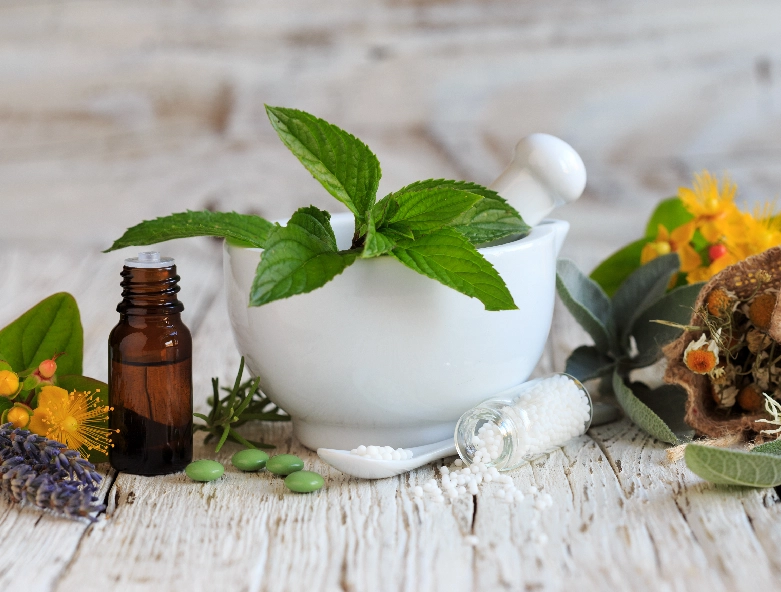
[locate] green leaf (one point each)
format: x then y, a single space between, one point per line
734 467
614 270
448 257
298 258
676 306
773 447
73 382
448 184
587 362
248 229
668 402
670 213
641 289
338 160
376 243
490 219
427 210
640 413
587 302
50 327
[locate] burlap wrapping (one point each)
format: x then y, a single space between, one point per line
702 413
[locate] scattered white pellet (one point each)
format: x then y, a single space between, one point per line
472 540
382 452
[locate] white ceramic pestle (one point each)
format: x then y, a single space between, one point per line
544 174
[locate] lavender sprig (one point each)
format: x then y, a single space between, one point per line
47 474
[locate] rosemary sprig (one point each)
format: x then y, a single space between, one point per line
244 402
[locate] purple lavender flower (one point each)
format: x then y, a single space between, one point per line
47 474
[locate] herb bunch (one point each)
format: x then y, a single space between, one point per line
430 226
244 402
47 474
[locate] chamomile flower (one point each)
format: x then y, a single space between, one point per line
701 356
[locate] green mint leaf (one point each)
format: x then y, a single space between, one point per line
99 390
587 302
490 220
249 229
448 257
338 160
50 327
377 243
384 209
734 467
430 209
298 258
640 413
448 184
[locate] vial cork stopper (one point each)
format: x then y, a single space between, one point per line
149 259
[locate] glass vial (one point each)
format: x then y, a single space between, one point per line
150 372
526 421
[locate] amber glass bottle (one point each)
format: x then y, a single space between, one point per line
150 372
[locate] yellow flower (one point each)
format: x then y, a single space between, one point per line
701 356
9 383
713 207
677 241
76 419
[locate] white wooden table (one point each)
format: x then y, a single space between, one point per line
622 519
114 111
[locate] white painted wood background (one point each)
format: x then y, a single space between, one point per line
112 112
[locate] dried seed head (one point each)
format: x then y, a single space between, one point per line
757 341
750 398
760 310
718 303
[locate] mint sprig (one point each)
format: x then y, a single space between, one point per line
430 226
250 229
298 258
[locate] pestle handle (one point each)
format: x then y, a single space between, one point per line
545 173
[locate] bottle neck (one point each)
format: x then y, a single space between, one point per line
149 291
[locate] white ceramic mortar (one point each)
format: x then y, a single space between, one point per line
383 355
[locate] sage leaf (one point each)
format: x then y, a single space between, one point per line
448 257
298 258
490 219
50 327
734 467
430 209
99 390
773 447
642 288
669 403
614 270
587 302
676 306
587 362
338 160
642 416
246 228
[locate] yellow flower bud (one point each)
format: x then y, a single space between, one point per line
19 416
9 383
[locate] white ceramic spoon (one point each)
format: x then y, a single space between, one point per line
368 468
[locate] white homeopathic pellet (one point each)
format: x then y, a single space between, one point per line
382 452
